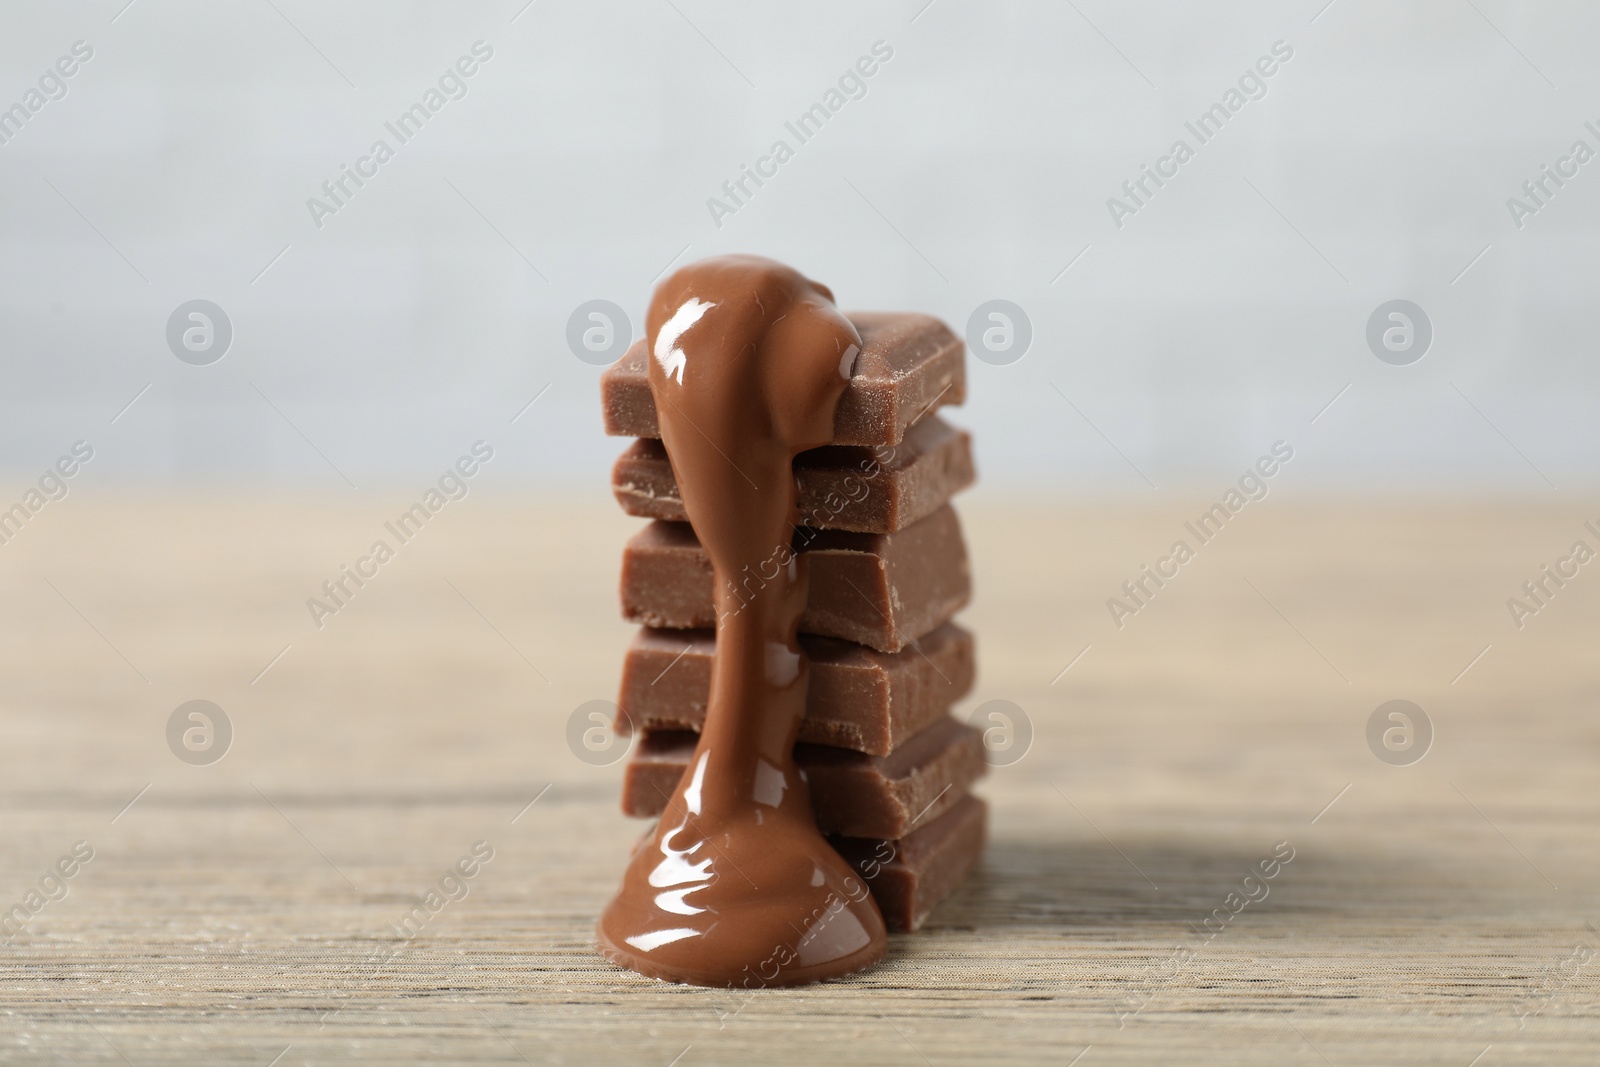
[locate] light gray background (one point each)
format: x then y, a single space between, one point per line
1225 315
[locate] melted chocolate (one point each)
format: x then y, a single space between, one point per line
735 885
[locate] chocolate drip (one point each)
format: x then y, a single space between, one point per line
735 885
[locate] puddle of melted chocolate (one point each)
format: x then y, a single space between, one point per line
735 885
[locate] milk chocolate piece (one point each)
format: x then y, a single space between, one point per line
841 487
851 793
859 698
908 365
922 868
881 590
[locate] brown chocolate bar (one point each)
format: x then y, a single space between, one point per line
851 793
881 590
841 487
909 364
858 698
909 877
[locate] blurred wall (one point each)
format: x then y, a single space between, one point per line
1220 312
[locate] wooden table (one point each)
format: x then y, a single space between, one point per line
245 910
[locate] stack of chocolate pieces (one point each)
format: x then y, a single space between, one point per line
888 766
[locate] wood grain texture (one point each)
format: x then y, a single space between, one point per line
245 910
